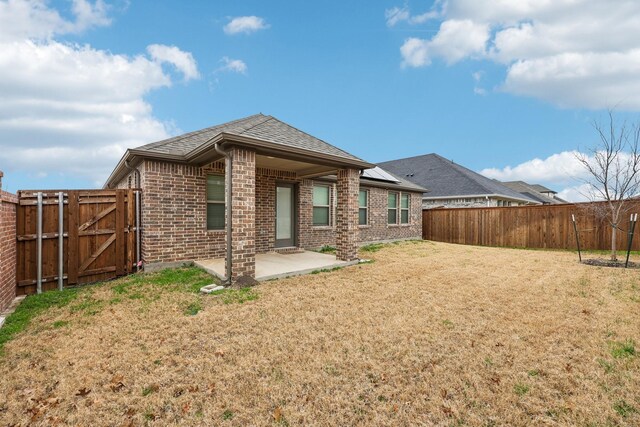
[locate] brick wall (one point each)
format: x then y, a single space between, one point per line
347 187
378 229
243 221
8 204
174 213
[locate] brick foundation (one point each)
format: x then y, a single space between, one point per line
8 204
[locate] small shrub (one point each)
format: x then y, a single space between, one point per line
227 415
621 350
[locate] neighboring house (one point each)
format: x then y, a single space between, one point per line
453 185
289 190
535 191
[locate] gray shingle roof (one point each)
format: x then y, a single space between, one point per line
533 191
445 178
259 126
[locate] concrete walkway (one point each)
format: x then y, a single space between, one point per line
273 265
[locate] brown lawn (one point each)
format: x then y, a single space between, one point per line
428 334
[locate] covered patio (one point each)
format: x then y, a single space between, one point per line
274 265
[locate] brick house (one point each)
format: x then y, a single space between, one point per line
282 188
454 186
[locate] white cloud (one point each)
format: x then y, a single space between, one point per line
73 109
20 19
233 65
245 24
562 172
456 40
561 167
572 53
395 15
183 61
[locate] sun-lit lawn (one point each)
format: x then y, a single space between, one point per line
428 333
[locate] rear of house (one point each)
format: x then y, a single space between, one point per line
288 191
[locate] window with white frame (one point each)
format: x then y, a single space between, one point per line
215 202
398 207
363 207
392 207
404 208
321 204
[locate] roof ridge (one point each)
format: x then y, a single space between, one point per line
309 135
177 138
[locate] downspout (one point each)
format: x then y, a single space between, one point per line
228 201
134 170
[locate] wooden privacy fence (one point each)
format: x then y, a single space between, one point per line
543 226
70 237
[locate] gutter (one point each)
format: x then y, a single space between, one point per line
229 210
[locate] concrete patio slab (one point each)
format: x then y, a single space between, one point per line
274 265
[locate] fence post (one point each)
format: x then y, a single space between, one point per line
39 243
138 230
632 227
575 229
60 241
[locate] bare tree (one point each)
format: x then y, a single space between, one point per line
613 167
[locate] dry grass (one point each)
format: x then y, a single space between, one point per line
428 334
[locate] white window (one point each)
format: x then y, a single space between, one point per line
215 202
321 198
363 207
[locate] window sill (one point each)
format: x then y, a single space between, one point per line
364 226
398 225
216 231
322 227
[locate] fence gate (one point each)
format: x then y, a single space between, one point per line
70 237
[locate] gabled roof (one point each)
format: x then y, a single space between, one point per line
541 188
258 126
446 179
532 191
265 134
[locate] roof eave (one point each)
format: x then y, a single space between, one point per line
202 155
464 196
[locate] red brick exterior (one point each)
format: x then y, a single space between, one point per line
174 211
348 186
243 213
8 204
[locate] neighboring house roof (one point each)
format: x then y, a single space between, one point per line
534 191
446 179
541 188
265 134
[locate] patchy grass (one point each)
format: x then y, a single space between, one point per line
621 350
429 334
30 308
326 249
372 247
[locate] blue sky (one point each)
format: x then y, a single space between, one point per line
492 87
